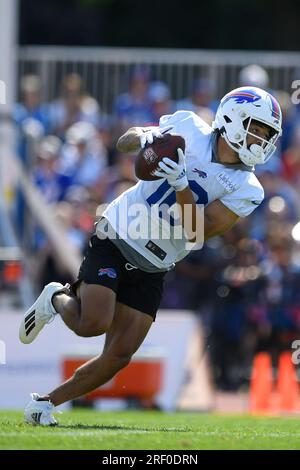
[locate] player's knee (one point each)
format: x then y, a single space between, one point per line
97 309
93 328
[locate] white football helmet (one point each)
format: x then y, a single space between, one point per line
237 110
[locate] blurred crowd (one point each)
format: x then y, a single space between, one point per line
244 286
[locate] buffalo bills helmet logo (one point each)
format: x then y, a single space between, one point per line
245 96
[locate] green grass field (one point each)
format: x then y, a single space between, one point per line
132 430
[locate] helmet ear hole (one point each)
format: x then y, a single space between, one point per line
227 119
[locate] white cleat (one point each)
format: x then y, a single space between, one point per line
40 313
39 412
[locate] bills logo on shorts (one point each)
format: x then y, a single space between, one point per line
110 272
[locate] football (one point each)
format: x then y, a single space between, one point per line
148 158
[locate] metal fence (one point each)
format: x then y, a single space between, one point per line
106 70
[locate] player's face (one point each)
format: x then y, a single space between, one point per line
259 130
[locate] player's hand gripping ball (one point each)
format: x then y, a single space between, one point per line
151 154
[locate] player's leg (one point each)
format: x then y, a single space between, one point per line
92 321
138 298
89 314
126 334
68 306
128 330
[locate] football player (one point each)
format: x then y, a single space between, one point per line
120 282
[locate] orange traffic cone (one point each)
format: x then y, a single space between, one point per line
261 384
287 384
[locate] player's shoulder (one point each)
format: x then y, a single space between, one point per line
256 187
252 179
244 193
247 183
185 119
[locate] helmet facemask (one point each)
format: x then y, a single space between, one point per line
256 153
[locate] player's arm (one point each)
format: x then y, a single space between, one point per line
216 221
136 138
130 141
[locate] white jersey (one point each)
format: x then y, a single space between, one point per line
237 189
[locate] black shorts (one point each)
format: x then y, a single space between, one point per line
105 265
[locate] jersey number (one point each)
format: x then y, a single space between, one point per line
201 194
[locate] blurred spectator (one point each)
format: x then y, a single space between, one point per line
239 284
50 268
30 108
74 105
121 176
84 210
254 75
200 100
281 203
160 97
134 107
48 178
67 217
191 285
46 174
31 116
105 134
276 317
83 156
32 120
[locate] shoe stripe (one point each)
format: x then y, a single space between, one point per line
36 417
30 315
30 329
29 323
